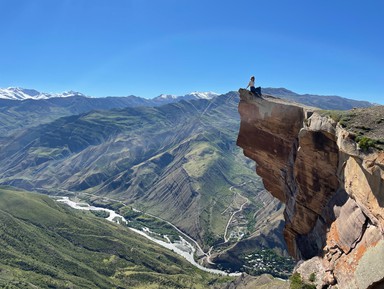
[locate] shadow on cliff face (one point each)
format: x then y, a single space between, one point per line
377 285
311 244
320 140
338 200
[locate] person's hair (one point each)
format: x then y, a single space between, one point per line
252 77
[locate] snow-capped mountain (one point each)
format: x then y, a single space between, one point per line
193 95
16 93
201 95
166 97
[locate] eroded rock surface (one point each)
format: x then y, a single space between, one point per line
334 192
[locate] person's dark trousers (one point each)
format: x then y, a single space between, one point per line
256 91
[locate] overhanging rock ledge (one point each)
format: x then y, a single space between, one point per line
333 192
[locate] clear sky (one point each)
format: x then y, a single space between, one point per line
150 47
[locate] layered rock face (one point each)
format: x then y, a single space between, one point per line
334 193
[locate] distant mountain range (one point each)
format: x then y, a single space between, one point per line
321 101
17 93
24 108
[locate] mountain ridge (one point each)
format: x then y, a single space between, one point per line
321 101
17 93
16 115
20 94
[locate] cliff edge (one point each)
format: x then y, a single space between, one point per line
333 190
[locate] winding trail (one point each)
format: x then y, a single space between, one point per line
208 254
182 248
234 213
200 250
230 219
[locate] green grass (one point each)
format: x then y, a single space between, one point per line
48 245
340 116
139 220
200 159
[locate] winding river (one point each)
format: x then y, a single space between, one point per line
182 247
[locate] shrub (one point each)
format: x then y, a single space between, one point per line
312 277
297 282
365 143
101 214
337 115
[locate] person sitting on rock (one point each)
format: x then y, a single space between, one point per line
251 85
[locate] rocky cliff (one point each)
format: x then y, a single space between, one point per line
333 191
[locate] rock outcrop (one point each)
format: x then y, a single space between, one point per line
334 193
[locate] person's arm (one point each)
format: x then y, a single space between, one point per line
247 85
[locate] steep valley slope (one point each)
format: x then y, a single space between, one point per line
45 244
178 162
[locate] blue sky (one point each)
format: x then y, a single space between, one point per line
150 47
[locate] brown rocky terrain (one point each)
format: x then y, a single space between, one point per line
362 122
259 282
329 172
370 120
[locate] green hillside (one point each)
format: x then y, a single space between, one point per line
48 245
18 115
176 161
